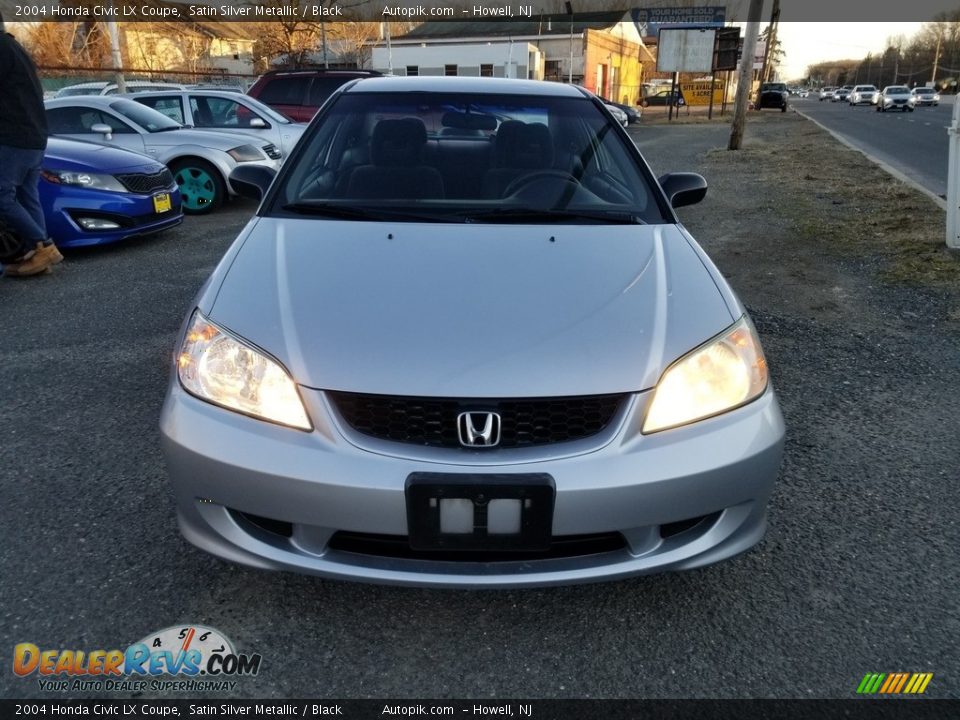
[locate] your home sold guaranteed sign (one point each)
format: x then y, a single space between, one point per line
189 658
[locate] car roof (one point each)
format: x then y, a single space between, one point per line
192 91
92 100
491 86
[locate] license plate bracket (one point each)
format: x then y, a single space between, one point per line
533 494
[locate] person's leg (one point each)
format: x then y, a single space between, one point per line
28 194
15 165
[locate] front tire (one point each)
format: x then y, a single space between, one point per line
202 189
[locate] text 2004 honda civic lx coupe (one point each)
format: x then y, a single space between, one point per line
466 342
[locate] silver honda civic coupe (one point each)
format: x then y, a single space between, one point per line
466 342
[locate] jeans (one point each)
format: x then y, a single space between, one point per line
19 196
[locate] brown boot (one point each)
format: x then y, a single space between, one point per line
33 263
50 251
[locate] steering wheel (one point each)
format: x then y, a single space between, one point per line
536 176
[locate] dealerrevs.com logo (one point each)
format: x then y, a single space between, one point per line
186 658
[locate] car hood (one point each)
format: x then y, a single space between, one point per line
63 154
470 310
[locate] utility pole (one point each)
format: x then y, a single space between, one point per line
323 35
115 56
771 44
936 59
569 9
746 74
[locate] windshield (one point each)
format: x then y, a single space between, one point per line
775 86
896 90
923 91
463 158
147 118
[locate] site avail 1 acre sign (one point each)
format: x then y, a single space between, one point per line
686 50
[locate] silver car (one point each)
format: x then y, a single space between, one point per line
220 110
925 96
862 94
201 161
465 341
896 97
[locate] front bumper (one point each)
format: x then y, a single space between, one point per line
64 206
275 498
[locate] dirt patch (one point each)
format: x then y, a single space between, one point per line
803 225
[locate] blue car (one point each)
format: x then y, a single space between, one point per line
92 194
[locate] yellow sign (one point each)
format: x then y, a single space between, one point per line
698 93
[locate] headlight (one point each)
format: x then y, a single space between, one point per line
94 181
223 370
246 153
725 373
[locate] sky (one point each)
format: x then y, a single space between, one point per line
806 43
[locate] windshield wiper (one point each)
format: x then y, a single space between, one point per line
349 212
532 215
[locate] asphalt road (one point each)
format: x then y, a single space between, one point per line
858 572
915 143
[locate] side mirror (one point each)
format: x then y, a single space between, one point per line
252 181
103 129
258 123
683 188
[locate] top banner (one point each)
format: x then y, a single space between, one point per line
648 20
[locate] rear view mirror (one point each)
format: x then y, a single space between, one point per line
683 188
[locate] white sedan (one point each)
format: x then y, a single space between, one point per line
200 161
896 97
224 110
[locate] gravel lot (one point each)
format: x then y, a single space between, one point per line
858 571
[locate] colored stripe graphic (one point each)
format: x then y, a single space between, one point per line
894 683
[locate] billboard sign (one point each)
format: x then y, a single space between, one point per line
649 21
685 50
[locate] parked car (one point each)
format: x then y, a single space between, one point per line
896 97
487 361
862 94
925 96
109 88
201 161
619 115
827 93
222 110
93 195
298 94
663 97
632 112
773 95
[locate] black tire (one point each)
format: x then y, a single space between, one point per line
783 108
644 103
910 109
211 188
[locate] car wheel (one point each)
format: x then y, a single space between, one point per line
910 109
202 189
644 103
783 108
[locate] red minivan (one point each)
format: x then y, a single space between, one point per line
298 94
